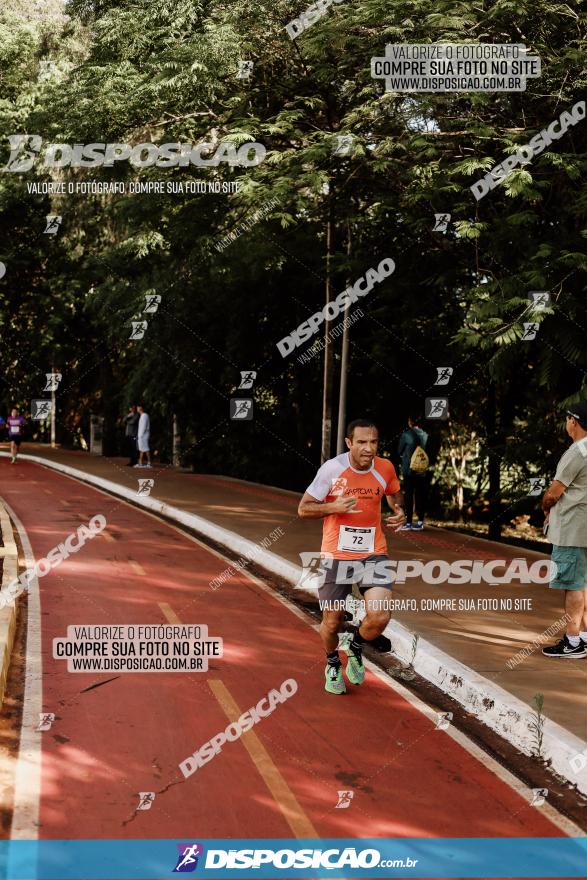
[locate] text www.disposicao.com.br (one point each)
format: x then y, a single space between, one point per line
135 664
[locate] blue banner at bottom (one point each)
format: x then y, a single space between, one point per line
272 859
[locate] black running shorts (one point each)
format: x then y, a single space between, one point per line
337 576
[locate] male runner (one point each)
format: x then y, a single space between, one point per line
16 425
347 493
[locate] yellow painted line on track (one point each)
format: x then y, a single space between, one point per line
283 796
286 800
169 613
136 567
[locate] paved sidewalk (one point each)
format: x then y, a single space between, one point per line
483 640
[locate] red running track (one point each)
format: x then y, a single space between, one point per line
130 734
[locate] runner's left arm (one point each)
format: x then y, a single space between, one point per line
395 499
396 503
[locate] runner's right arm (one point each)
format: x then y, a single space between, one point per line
310 508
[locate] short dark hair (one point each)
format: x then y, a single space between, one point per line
416 418
359 423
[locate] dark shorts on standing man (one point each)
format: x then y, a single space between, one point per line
337 576
571 568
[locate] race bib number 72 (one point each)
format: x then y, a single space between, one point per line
356 540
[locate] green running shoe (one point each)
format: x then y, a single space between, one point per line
355 670
334 680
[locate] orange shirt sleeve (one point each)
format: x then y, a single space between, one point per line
393 485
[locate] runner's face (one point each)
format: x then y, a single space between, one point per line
363 447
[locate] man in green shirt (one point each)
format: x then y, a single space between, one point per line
565 506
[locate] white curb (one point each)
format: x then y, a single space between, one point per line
8 613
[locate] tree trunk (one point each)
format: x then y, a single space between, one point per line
494 465
344 361
460 501
110 408
328 349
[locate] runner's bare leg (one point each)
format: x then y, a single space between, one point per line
332 624
377 613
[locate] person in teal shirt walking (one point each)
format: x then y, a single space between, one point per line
415 485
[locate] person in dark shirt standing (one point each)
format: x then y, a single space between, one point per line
415 485
131 429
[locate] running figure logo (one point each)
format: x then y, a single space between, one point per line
247 379
443 720
22 159
53 380
187 861
342 144
241 409
53 223
530 331
145 487
539 795
47 69
40 409
536 486
539 300
152 302
138 329
441 222
245 69
338 486
444 375
146 799
344 800
314 565
436 407
46 719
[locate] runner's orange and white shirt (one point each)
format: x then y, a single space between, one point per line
354 535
